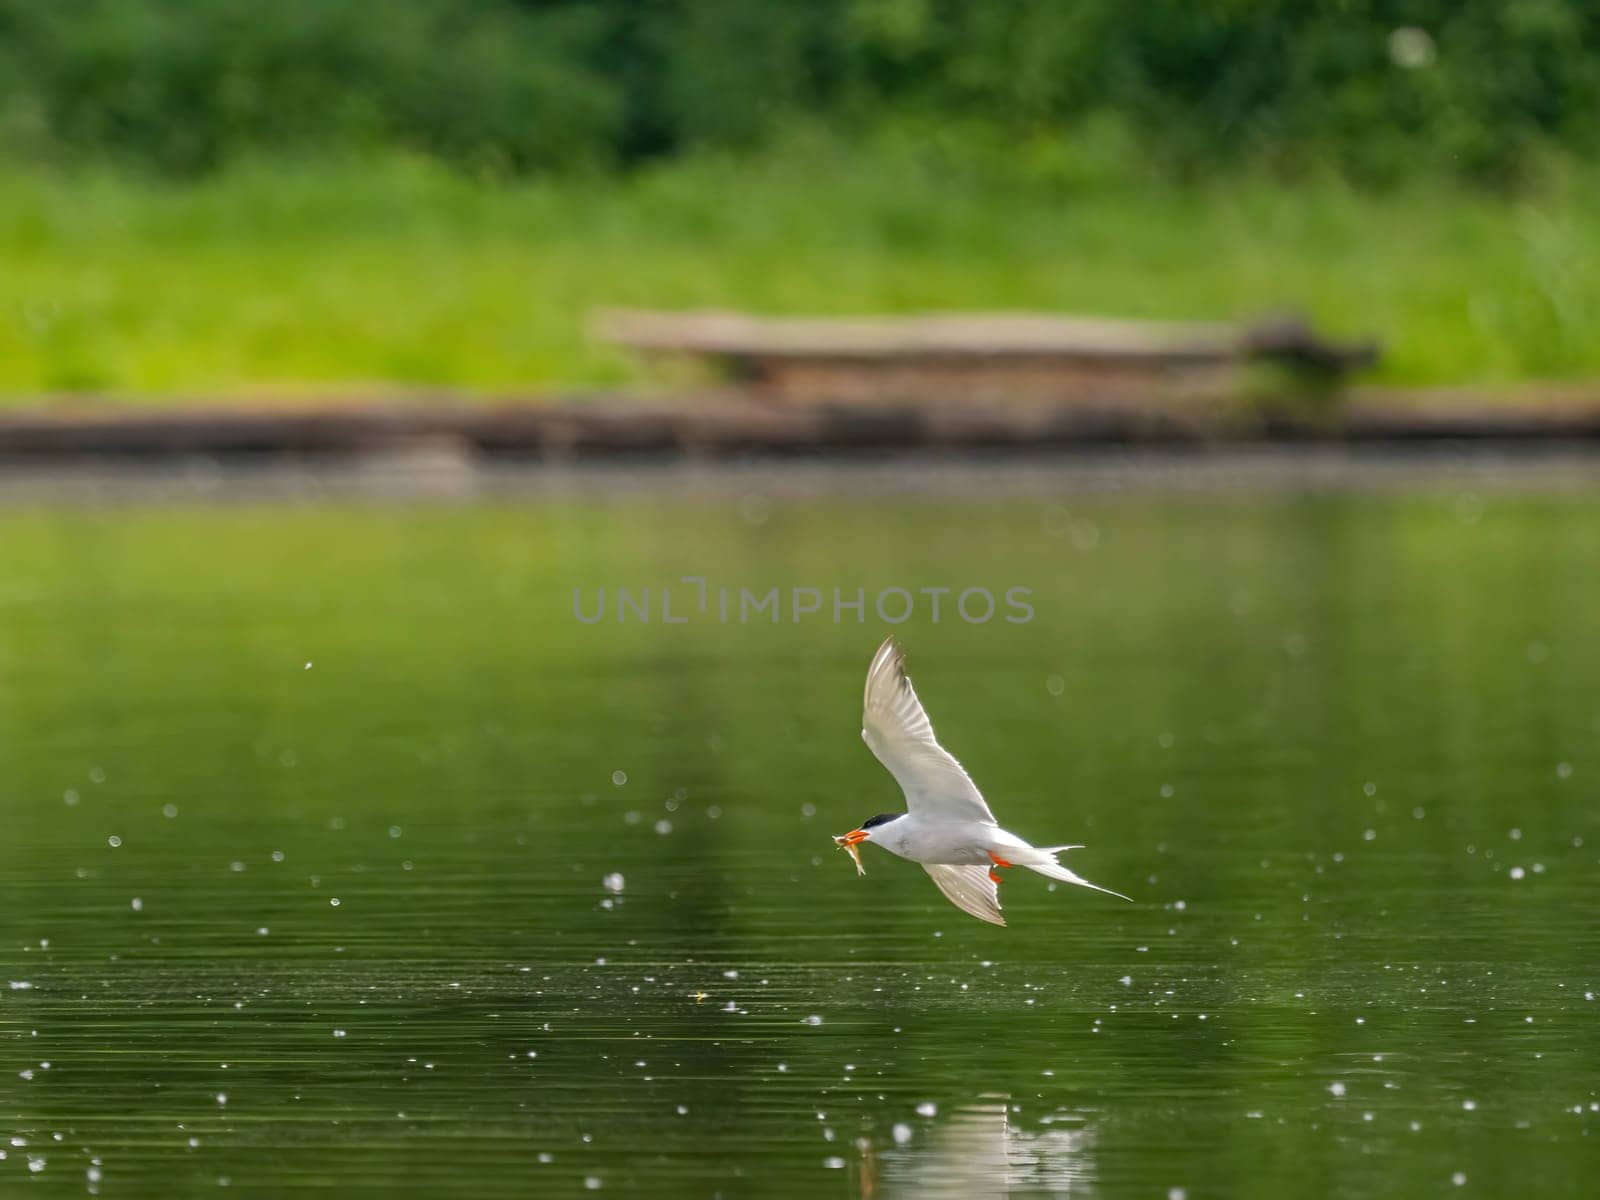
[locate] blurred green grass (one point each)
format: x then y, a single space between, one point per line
291 278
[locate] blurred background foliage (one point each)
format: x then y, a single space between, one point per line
232 195
1375 88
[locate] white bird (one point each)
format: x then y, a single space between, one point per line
946 827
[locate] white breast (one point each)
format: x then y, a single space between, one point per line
960 842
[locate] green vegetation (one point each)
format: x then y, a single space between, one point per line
334 194
1378 88
389 270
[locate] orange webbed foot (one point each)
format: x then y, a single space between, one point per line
998 861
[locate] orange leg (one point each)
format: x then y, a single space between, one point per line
999 862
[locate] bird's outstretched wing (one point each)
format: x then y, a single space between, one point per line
969 888
898 731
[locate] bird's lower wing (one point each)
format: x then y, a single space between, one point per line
969 888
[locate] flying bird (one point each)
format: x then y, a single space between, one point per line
947 826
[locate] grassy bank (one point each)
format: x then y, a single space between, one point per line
294 278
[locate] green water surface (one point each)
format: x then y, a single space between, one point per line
338 857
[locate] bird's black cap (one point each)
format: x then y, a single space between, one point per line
880 819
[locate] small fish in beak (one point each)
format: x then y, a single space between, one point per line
848 841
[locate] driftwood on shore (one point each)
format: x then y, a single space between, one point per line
1009 359
797 386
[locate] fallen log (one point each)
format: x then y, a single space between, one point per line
978 359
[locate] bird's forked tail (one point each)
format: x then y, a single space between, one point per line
1051 869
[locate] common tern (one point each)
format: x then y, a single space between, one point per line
947 826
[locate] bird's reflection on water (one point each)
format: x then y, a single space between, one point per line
976 1151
